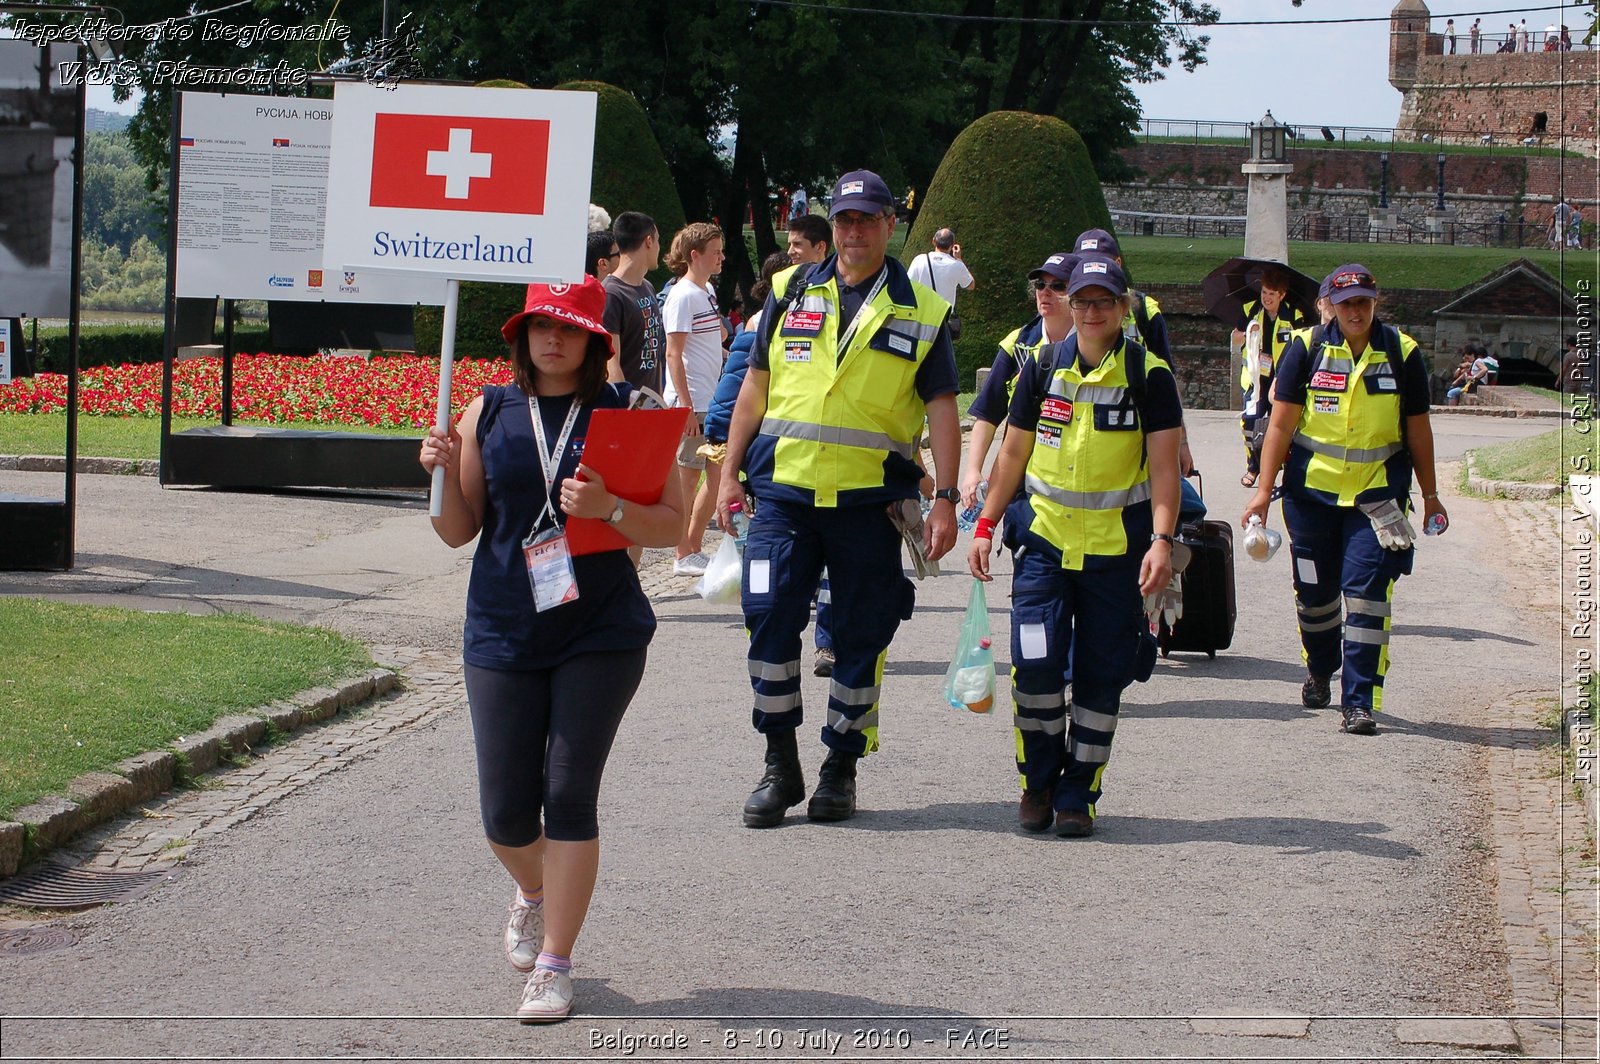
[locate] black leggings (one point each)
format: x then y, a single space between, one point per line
543 738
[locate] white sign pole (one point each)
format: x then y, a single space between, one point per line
447 359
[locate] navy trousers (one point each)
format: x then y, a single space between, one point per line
788 547
1344 591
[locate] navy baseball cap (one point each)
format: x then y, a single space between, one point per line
1098 271
1058 266
1350 281
1097 242
860 190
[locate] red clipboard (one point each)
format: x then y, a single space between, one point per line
634 452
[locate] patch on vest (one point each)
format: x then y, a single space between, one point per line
1325 404
1056 410
1332 382
1049 435
803 321
797 351
900 344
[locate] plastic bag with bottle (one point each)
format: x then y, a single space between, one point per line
722 578
1261 542
969 682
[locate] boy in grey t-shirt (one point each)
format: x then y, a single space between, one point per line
632 315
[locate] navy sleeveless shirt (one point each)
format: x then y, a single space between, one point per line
503 631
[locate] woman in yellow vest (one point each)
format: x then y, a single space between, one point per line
1349 427
1099 463
1275 321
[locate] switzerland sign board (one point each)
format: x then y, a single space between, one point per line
474 184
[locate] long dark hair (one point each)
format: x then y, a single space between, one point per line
591 375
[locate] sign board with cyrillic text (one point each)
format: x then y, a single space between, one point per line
478 184
252 192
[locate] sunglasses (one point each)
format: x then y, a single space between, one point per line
1054 286
1092 304
1351 279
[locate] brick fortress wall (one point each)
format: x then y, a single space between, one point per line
1341 183
1458 98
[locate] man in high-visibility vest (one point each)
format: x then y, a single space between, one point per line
852 356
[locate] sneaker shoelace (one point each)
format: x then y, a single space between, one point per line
538 983
522 915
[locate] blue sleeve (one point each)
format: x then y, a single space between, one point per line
1415 392
937 374
1289 385
1158 341
1163 409
720 414
1025 402
991 403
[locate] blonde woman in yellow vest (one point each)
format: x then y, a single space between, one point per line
1349 428
1099 465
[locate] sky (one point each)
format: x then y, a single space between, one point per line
1313 75
1306 74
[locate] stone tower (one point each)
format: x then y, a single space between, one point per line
1408 40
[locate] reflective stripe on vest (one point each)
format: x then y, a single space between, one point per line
1090 500
799 430
1347 454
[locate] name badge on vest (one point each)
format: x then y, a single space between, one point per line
803 321
1329 382
1382 383
1056 410
797 351
1325 404
901 344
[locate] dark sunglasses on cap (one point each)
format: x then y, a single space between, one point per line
1352 279
1039 285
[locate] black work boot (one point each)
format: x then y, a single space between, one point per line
781 786
835 796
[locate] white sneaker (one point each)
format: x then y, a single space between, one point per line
524 934
547 998
693 565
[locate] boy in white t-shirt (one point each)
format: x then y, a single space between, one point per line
942 269
695 335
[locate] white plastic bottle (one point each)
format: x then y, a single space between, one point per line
1261 542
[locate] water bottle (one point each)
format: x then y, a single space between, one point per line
971 686
1435 525
1261 542
740 522
967 519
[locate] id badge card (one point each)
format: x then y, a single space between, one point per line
550 570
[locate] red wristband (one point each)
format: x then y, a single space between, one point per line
985 529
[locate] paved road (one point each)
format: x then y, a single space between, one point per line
1251 860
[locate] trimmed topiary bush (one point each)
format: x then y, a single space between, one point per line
630 174
1015 187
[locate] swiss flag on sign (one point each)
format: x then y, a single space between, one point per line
449 163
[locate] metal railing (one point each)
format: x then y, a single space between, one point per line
1310 135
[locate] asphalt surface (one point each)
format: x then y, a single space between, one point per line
1250 860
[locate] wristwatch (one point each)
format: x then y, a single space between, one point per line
949 495
616 515
1154 536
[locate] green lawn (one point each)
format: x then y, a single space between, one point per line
1548 458
86 686
1176 260
122 437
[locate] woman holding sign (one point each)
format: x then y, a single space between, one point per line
554 645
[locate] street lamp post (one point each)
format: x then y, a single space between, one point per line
1383 180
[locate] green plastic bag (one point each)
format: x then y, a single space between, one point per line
969 683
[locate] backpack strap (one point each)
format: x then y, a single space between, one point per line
799 281
1141 315
1138 390
1393 351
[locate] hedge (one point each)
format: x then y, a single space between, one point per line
630 174
1016 188
114 345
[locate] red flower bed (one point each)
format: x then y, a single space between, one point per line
281 390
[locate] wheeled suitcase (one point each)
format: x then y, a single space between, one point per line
1209 604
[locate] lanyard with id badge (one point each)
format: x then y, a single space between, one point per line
547 553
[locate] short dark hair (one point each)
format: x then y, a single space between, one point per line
814 228
631 229
944 239
773 264
600 244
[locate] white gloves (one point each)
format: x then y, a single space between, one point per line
1167 603
1389 522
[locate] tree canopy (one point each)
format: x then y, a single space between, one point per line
797 93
